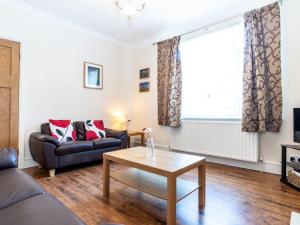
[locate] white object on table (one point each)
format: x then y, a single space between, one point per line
295 219
150 142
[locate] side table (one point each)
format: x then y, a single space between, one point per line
136 133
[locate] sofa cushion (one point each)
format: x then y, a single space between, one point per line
94 129
62 130
15 186
74 147
41 209
107 143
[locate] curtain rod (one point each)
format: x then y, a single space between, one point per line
213 24
205 27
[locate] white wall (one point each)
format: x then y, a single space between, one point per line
145 104
145 110
52 57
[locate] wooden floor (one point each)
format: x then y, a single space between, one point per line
234 197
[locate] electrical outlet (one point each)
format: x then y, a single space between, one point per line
293 158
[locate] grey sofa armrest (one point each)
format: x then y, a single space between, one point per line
122 135
8 158
44 138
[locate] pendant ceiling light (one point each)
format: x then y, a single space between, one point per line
130 9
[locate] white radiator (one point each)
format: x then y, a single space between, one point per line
221 139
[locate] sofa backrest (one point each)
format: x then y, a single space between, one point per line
45 129
78 126
80 130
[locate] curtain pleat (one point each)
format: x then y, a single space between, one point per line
262 94
169 83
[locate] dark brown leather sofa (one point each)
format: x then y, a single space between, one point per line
51 155
24 202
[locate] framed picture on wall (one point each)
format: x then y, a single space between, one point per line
145 73
93 76
145 87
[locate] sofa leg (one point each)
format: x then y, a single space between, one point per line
52 173
40 166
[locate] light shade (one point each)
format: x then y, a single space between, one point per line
121 119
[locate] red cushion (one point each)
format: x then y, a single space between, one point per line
62 130
94 129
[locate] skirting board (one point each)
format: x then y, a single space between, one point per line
29 162
295 218
268 167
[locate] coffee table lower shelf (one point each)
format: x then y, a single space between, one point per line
154 184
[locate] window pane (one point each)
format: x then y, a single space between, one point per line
212 68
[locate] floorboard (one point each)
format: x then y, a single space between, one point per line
234 197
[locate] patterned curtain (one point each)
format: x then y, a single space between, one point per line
169 83
262 98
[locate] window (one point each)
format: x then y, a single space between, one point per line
212 75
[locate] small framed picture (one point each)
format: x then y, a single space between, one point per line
145 73
93 75
145 87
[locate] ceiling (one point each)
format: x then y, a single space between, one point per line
160 19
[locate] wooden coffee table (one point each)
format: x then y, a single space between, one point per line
157 176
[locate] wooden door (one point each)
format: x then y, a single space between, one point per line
9 93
